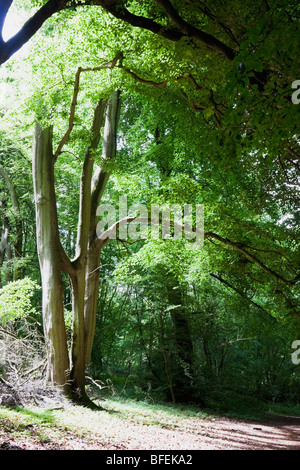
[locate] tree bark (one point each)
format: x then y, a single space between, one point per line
49 252
99 183
183 357
78 278
85 281
91 300
4 232
84 269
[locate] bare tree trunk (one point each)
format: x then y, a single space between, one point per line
79 277
49 252
91 300
99 183
84 269
85 282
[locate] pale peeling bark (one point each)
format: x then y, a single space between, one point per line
49 252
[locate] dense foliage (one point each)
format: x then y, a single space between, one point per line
207 117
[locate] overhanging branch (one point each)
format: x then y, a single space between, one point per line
238 291
4 7
7 49
191 31
254 259
105 237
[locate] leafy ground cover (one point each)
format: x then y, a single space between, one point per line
126 424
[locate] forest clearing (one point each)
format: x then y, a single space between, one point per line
149 225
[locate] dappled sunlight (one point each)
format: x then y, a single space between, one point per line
130 426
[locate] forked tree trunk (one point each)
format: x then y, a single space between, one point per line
99 182
49 252
78 277
84 269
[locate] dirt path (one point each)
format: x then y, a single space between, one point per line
110 430
278 433
219 434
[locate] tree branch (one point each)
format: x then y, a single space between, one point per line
248 255
207 12
226 283
71 116
66 136
4 7
191 31
184 29
85 182
123 14
143 80
189 77
7 49
106 236
103 172
101 241
292 152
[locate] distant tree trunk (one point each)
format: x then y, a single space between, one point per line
183 367
165 357
15 251
8 268
4 230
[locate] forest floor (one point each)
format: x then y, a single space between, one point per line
131 425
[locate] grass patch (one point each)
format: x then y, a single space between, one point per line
154 413
21 423
238 406
287 409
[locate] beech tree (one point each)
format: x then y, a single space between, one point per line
229 67
84 269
